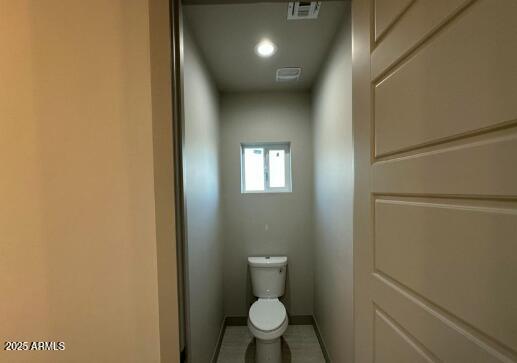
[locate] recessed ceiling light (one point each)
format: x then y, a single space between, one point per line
265 48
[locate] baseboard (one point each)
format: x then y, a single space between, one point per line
219 342
236 320
300 320
320 339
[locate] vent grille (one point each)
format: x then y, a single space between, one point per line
298 10
288 74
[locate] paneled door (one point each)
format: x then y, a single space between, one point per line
435 133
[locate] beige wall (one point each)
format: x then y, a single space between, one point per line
78 258
333 199
267 117
202 195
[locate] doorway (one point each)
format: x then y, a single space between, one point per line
273 80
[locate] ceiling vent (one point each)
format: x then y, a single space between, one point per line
288 74
299 10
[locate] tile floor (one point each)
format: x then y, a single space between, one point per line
299 345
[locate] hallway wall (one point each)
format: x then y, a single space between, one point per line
265 117
78 220
204 246
333 198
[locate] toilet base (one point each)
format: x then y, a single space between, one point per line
268 351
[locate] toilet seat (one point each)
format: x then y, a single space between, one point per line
267 319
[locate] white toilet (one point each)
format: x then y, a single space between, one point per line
267 319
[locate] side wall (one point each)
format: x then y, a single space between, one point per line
333 198
78 257
204 247
267 224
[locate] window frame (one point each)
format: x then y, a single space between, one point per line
267 146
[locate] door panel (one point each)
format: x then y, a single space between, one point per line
394 344
448 338
460 252
387 12
435 132
483 165
425 96
418 22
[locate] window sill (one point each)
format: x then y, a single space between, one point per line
267 193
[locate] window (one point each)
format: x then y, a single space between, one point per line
266 167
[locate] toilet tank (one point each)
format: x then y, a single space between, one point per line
268 276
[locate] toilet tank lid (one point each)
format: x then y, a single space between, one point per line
267 261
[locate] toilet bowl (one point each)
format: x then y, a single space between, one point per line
267 319
267 322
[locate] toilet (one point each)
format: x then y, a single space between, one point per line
267 319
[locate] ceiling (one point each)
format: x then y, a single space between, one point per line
227 35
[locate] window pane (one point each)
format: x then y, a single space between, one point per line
254 169
277 168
